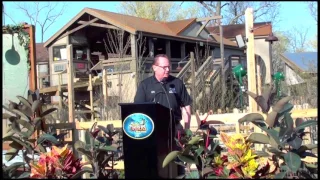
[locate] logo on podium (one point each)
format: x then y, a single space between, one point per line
138 126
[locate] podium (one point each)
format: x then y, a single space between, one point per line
146 138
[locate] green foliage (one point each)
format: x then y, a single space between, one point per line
199 150
25 120
287 151
158 11
101 151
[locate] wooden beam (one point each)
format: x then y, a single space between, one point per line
32 56
70 83
193 80
251 65
78 28
104 91
99 25
201 28
208 18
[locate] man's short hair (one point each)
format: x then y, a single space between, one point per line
156 58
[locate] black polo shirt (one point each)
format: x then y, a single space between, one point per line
150 90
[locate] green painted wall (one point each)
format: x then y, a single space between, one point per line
15 79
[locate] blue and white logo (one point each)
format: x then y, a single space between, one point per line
138 126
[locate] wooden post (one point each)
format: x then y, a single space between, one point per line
104 92
91 96
71 106
193 80
32 56
223 82
259 81
251 67
70 83
60 93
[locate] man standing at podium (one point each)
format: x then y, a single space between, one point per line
168 91
152 89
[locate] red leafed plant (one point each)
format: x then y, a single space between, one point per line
59 163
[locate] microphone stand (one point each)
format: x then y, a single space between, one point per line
170 164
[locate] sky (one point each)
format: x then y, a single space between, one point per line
292 14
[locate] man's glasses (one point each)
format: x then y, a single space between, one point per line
164 67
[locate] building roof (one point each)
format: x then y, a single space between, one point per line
231 31
304 61
134 24
42 53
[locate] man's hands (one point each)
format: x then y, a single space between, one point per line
186 116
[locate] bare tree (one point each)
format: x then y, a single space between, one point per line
298 39
233 11
313 7
42 14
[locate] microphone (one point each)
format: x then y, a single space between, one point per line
170 125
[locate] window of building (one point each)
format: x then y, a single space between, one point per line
59 53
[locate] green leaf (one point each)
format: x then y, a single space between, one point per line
307 147
48 137
258 138
286 127
37 122
287 108
7 135
81 172
186 158
42 149
313 166
108 148
251 117
199 151
11 153
25 117
6 116
15 145
275 151
280 175
295 143
188 132
85 152
26 124
293 161
194 140
48 111
262 153
170 157
79 144
274 137
35 105
6 108
24 101
110 127
24 175
260 123
187 149
27 146
14 166
226 171
271 118
306 124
